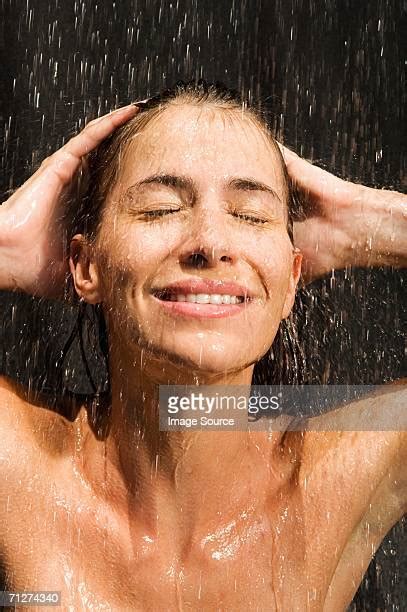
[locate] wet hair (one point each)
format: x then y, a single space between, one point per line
104 162
103 167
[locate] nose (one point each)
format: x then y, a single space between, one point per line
208 245
204 258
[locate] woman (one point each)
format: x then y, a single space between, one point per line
189 201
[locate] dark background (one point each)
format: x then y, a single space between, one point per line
334 72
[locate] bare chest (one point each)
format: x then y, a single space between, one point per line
274 560
292 553
95 570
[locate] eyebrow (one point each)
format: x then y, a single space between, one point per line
249 184
186 183
169 180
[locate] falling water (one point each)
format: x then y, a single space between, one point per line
334 74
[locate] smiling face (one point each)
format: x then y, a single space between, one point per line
201 196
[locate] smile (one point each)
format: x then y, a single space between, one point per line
204 298
202 305
201 298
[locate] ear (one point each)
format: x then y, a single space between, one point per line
84 270
293 282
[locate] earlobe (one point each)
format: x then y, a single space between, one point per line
84 270
293 283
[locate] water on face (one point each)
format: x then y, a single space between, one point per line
334 76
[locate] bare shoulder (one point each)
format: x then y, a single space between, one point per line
11 410
28 425
366 439
16 445
354 465
383 410
34 442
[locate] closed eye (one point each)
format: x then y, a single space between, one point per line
250 218
159 213
154 214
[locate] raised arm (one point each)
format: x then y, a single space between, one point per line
346 224
32 254
376 424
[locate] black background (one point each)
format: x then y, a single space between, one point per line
335 73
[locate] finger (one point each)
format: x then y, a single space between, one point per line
306 175
285 151
291 158
62 165
99 129
65 162
300 170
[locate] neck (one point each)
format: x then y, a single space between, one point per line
139 465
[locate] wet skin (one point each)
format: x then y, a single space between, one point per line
295 532
209 520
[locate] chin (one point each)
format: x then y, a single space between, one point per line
207 352
217 360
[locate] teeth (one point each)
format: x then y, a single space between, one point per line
205 298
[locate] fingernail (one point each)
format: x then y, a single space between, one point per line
140 102
123 109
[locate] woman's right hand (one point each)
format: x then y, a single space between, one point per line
32 254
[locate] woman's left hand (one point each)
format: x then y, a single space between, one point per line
346 223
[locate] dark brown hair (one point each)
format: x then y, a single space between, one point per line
281 362
104 163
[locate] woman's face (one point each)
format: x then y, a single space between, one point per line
200 181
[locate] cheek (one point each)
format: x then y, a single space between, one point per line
132 254
274 262
145 248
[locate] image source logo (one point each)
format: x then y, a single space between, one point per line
276 407
220 407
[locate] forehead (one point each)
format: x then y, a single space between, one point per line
206 143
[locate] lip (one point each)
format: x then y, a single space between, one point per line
203 311
200 285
